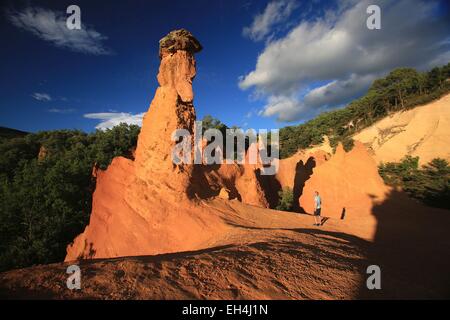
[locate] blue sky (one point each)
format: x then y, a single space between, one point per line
265 64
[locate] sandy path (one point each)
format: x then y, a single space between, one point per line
269 255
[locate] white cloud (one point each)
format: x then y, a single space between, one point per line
337 49
111 119
61 110
274 13
283 107
338 92
41 96
51 26
250 113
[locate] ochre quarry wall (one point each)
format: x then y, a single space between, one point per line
422 132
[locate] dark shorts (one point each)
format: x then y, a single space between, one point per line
317 212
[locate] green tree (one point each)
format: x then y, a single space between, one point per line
46 202
286 199
430 183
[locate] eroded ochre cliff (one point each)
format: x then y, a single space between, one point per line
150 205
141 206
422 132
348 183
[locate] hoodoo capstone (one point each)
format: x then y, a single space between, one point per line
179 40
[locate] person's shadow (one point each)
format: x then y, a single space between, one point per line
323 220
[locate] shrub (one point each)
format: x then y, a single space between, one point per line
429 184
286 199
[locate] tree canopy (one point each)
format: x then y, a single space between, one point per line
46 189
429 184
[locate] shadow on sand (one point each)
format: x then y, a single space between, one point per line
412 248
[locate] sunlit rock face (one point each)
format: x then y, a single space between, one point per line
348 184
143 207
172 108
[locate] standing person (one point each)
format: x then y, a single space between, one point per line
317 207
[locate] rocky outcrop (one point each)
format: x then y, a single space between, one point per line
144 206
172 108
292 173
43 153
243 183
246 184
151 205
348 184
292 167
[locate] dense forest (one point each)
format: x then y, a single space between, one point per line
46 189
401 89
46 185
